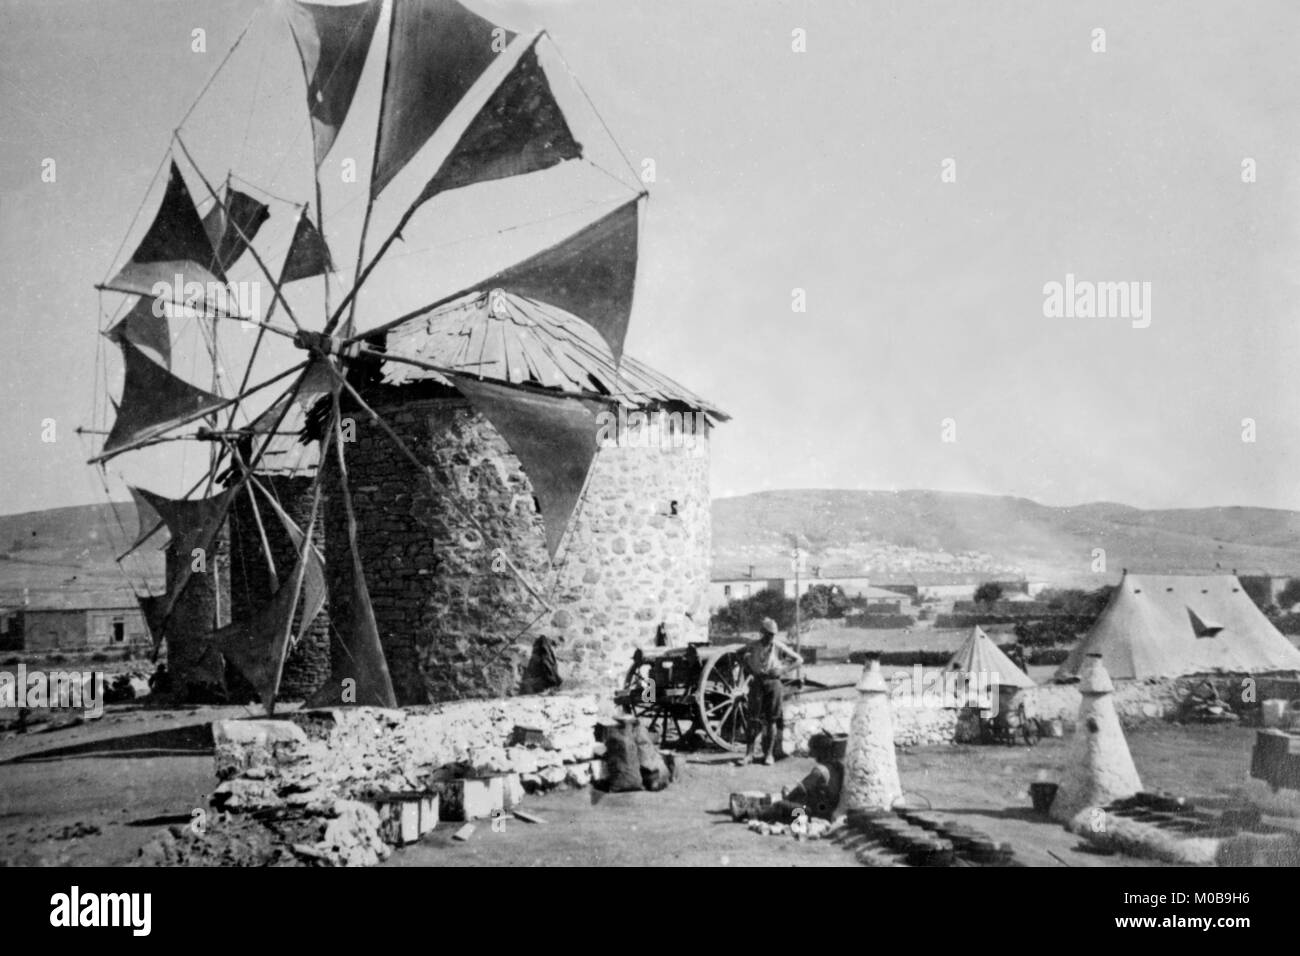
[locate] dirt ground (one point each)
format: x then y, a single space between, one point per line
97 792
687 825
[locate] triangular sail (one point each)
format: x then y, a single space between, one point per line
192 522
520 129
193 525
258 646
437 49
151 608
554 439
153 400
146 327
308 254
314 590
232 225
332 42
146 516
362 662
176 245
591 275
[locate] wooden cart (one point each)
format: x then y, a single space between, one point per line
700 689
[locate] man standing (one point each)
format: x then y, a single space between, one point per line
767 659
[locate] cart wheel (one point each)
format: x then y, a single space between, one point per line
722 700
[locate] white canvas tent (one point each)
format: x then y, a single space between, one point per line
1166 625
979 655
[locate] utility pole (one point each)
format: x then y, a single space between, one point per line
797 562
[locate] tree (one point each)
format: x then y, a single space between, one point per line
1259 590
746 614
823 600
1074 602
1289 596
990 592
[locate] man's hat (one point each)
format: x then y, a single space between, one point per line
769 626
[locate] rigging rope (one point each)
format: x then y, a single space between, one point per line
220 66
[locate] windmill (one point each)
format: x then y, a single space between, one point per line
459 107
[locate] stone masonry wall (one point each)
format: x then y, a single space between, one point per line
454 627
913 726
1136 701
307 665
315 758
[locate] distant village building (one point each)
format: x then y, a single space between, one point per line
728 586
883 590
58 621
951 586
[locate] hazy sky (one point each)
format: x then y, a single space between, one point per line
776 170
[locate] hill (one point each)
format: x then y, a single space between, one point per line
894 533
74 548
882 533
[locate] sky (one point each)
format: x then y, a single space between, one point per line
775 170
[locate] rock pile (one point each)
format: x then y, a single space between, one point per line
310 780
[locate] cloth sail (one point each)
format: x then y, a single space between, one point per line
314 590
146 516
153 400
224 224
362 663
151 608
553 437
332 43
591 275
193 525
437 49
520 129
146 330
176 245
308 254
258 645
192 522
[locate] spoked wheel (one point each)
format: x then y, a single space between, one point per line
722 700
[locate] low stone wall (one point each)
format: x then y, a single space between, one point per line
913 726
1136 701
322 763
355 752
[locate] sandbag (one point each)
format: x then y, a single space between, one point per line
543 672
622 759
654 771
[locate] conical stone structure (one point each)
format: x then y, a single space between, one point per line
870 767
1100 768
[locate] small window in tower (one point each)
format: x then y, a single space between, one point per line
672 508
537 506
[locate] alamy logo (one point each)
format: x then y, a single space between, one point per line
655 429
243 299
75 690
928 688
1082 299
102 909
